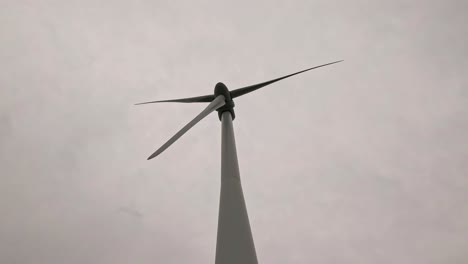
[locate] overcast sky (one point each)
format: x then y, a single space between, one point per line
365 161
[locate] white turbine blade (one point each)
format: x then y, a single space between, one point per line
215 104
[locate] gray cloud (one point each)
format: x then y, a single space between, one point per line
362 162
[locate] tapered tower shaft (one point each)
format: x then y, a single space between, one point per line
235 243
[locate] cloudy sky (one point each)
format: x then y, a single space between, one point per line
365 161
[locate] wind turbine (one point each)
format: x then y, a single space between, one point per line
234 243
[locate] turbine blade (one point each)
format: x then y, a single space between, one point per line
241 91
197 99
215 104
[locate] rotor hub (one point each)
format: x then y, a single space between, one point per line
221 89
